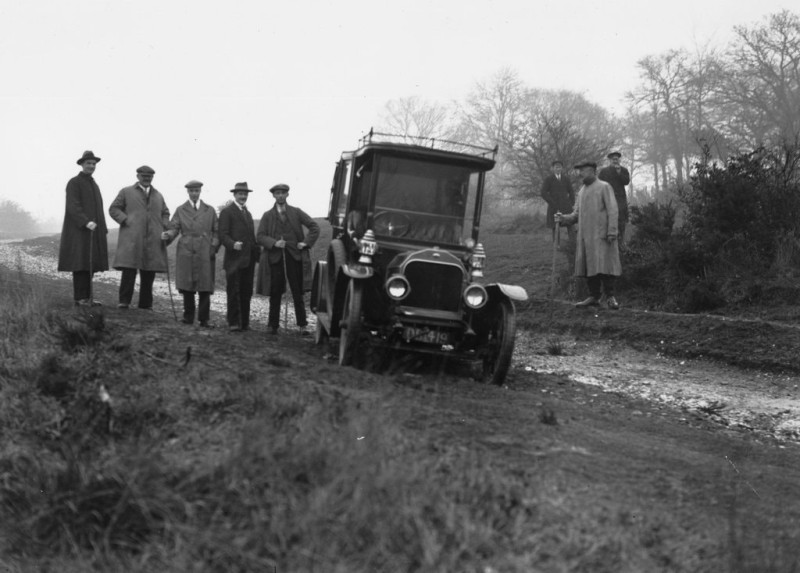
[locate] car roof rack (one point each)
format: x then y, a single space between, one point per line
428 142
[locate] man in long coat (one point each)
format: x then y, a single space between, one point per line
143 220
597 252
83 250
618 177
237 234
281 234
196 223
558 193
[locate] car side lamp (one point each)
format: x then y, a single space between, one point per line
476 261
367 247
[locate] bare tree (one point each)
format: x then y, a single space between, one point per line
415 116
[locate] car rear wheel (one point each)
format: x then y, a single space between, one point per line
336 259
500 343
351 323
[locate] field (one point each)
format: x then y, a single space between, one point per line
628 441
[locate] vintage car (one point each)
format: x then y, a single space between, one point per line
404 269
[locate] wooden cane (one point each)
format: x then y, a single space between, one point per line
285 290
91 268
556 244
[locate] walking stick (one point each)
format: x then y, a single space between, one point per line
169 282
286 291
91 266
556 244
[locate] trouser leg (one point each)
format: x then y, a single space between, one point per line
80 285
146 279
294 269
126 285
246 294
276 287
232 291
204 309
608 284
595 286
188 306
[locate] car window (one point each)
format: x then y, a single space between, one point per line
423 200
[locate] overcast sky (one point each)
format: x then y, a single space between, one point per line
263 92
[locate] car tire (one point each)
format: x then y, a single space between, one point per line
350 331
502 330
337 283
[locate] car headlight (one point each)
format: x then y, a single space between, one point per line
397 287
475 296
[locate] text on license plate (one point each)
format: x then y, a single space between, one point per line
430 336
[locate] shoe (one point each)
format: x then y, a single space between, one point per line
204 324
591 301
123 305
273 330
186 321
612 303
235 329
83 302
305 332
145 307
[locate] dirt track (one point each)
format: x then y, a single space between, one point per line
676 448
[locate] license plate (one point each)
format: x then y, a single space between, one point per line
427 335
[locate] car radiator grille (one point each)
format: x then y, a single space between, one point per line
434 286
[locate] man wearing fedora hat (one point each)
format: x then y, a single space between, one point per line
286 256
196 223
597 252
143 220
618 177
237 234
84 249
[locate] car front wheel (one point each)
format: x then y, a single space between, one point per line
500 342
351 323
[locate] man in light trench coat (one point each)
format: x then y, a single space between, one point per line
196 223
143 220
597 252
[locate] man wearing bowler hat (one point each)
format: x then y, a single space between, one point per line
237 235
597 252
83 249
143 220
281 234
196 223
618 177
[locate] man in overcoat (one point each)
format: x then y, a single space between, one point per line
558 193
196 223
84 249
618 177
237 234
597 252
143 220
286 245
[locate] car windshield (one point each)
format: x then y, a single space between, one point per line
425 201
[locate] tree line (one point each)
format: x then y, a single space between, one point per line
689 106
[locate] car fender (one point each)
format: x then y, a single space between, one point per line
357 271
512 292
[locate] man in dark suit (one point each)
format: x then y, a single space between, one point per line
237 234
618 177
281 234
559 195
83 236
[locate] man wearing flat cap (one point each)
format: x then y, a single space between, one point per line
597 252
143 220
237 234
286 254
618 177
196 223
84 249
